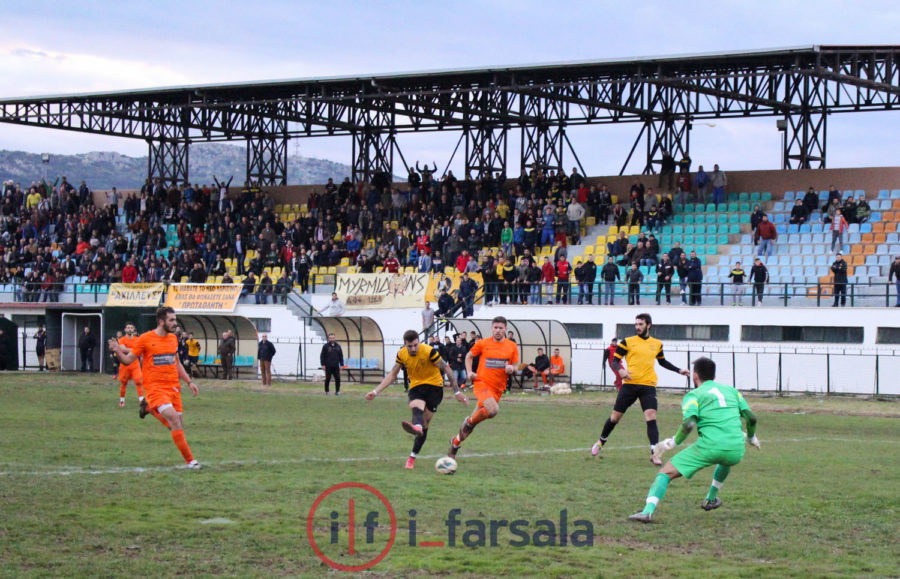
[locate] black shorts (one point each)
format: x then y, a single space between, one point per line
432 395
631 392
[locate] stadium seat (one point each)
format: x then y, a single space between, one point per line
789 196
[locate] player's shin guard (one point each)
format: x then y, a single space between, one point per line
140 389
652 432
180 441
657 492
122 389
418 416
420 440
719 477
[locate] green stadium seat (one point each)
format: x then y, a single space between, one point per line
745 218
734 229
710 207
745 207
665 239
722 218
722 240
734 218
733 206
690 229
700 239
744 197
712 228
678 219
767 196
689 219
755 197
688 239
700 229
678 229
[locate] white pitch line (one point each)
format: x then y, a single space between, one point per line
86 470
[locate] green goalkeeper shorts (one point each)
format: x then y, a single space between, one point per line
696 457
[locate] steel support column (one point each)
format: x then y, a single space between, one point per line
167 161
485 150
805 132
542 142
373 144
267 151
671 131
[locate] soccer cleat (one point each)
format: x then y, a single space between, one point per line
595 450
641 518
453 450
410 462
193 465
144 410
121 404
655 460
709 505
411 428
466 429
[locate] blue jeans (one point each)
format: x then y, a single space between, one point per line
610 287
460 376
547 237
535 297
767 246
718 195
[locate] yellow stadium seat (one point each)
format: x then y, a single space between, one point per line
448 269
589 250
395 225
345 262
320 280
615 199
613 230
634 230
304 208
279 208
332 270
590 222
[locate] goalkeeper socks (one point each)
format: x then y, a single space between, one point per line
420 440
181 442
656 494
652 433
719 477
122 391
607 429
418 416
478 416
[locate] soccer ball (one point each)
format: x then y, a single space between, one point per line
445 465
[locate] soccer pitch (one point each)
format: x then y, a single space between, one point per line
89 489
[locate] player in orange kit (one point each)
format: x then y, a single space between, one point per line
498 358
132 371
163 372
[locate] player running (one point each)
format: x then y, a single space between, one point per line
159 349
639 381
133 370
716 411
424 367
498 357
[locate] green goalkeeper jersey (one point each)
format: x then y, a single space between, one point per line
717 410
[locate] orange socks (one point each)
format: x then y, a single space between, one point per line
478 416
122 389
140 389
180 441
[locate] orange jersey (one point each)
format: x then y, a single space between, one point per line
129 343
160 359
557 365
493 357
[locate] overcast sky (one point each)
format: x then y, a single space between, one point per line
84 46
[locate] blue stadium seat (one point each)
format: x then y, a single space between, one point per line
854 238
778 218
892 238
895 193
780 227
865 228
884 194
805 228
875 217
793 228
808 259
859 192
789 196
821 260
817 228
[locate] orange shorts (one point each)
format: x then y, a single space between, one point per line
165 395
127 373
484 391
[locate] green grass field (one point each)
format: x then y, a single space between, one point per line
88 489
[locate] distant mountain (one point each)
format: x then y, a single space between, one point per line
102 170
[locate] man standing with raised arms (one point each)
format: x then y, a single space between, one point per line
640 353
424 367
163 373
716 411
498 357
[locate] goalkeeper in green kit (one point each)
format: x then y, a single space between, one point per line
716 411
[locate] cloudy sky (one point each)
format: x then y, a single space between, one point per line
52 47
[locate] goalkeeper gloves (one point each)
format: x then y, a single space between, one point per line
663 447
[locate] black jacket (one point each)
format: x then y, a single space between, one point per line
265 351
590 271
332 355
541 363
665 269
840 271
86 341
759 274
610 272
227 346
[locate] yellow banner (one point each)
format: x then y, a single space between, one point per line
382 290
134 295
203 297
436 283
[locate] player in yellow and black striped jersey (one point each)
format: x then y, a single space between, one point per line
426 371
640 352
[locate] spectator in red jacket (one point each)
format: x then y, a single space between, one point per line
767 235
129 272
462 261
548 276
563 269
391 265
838 227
